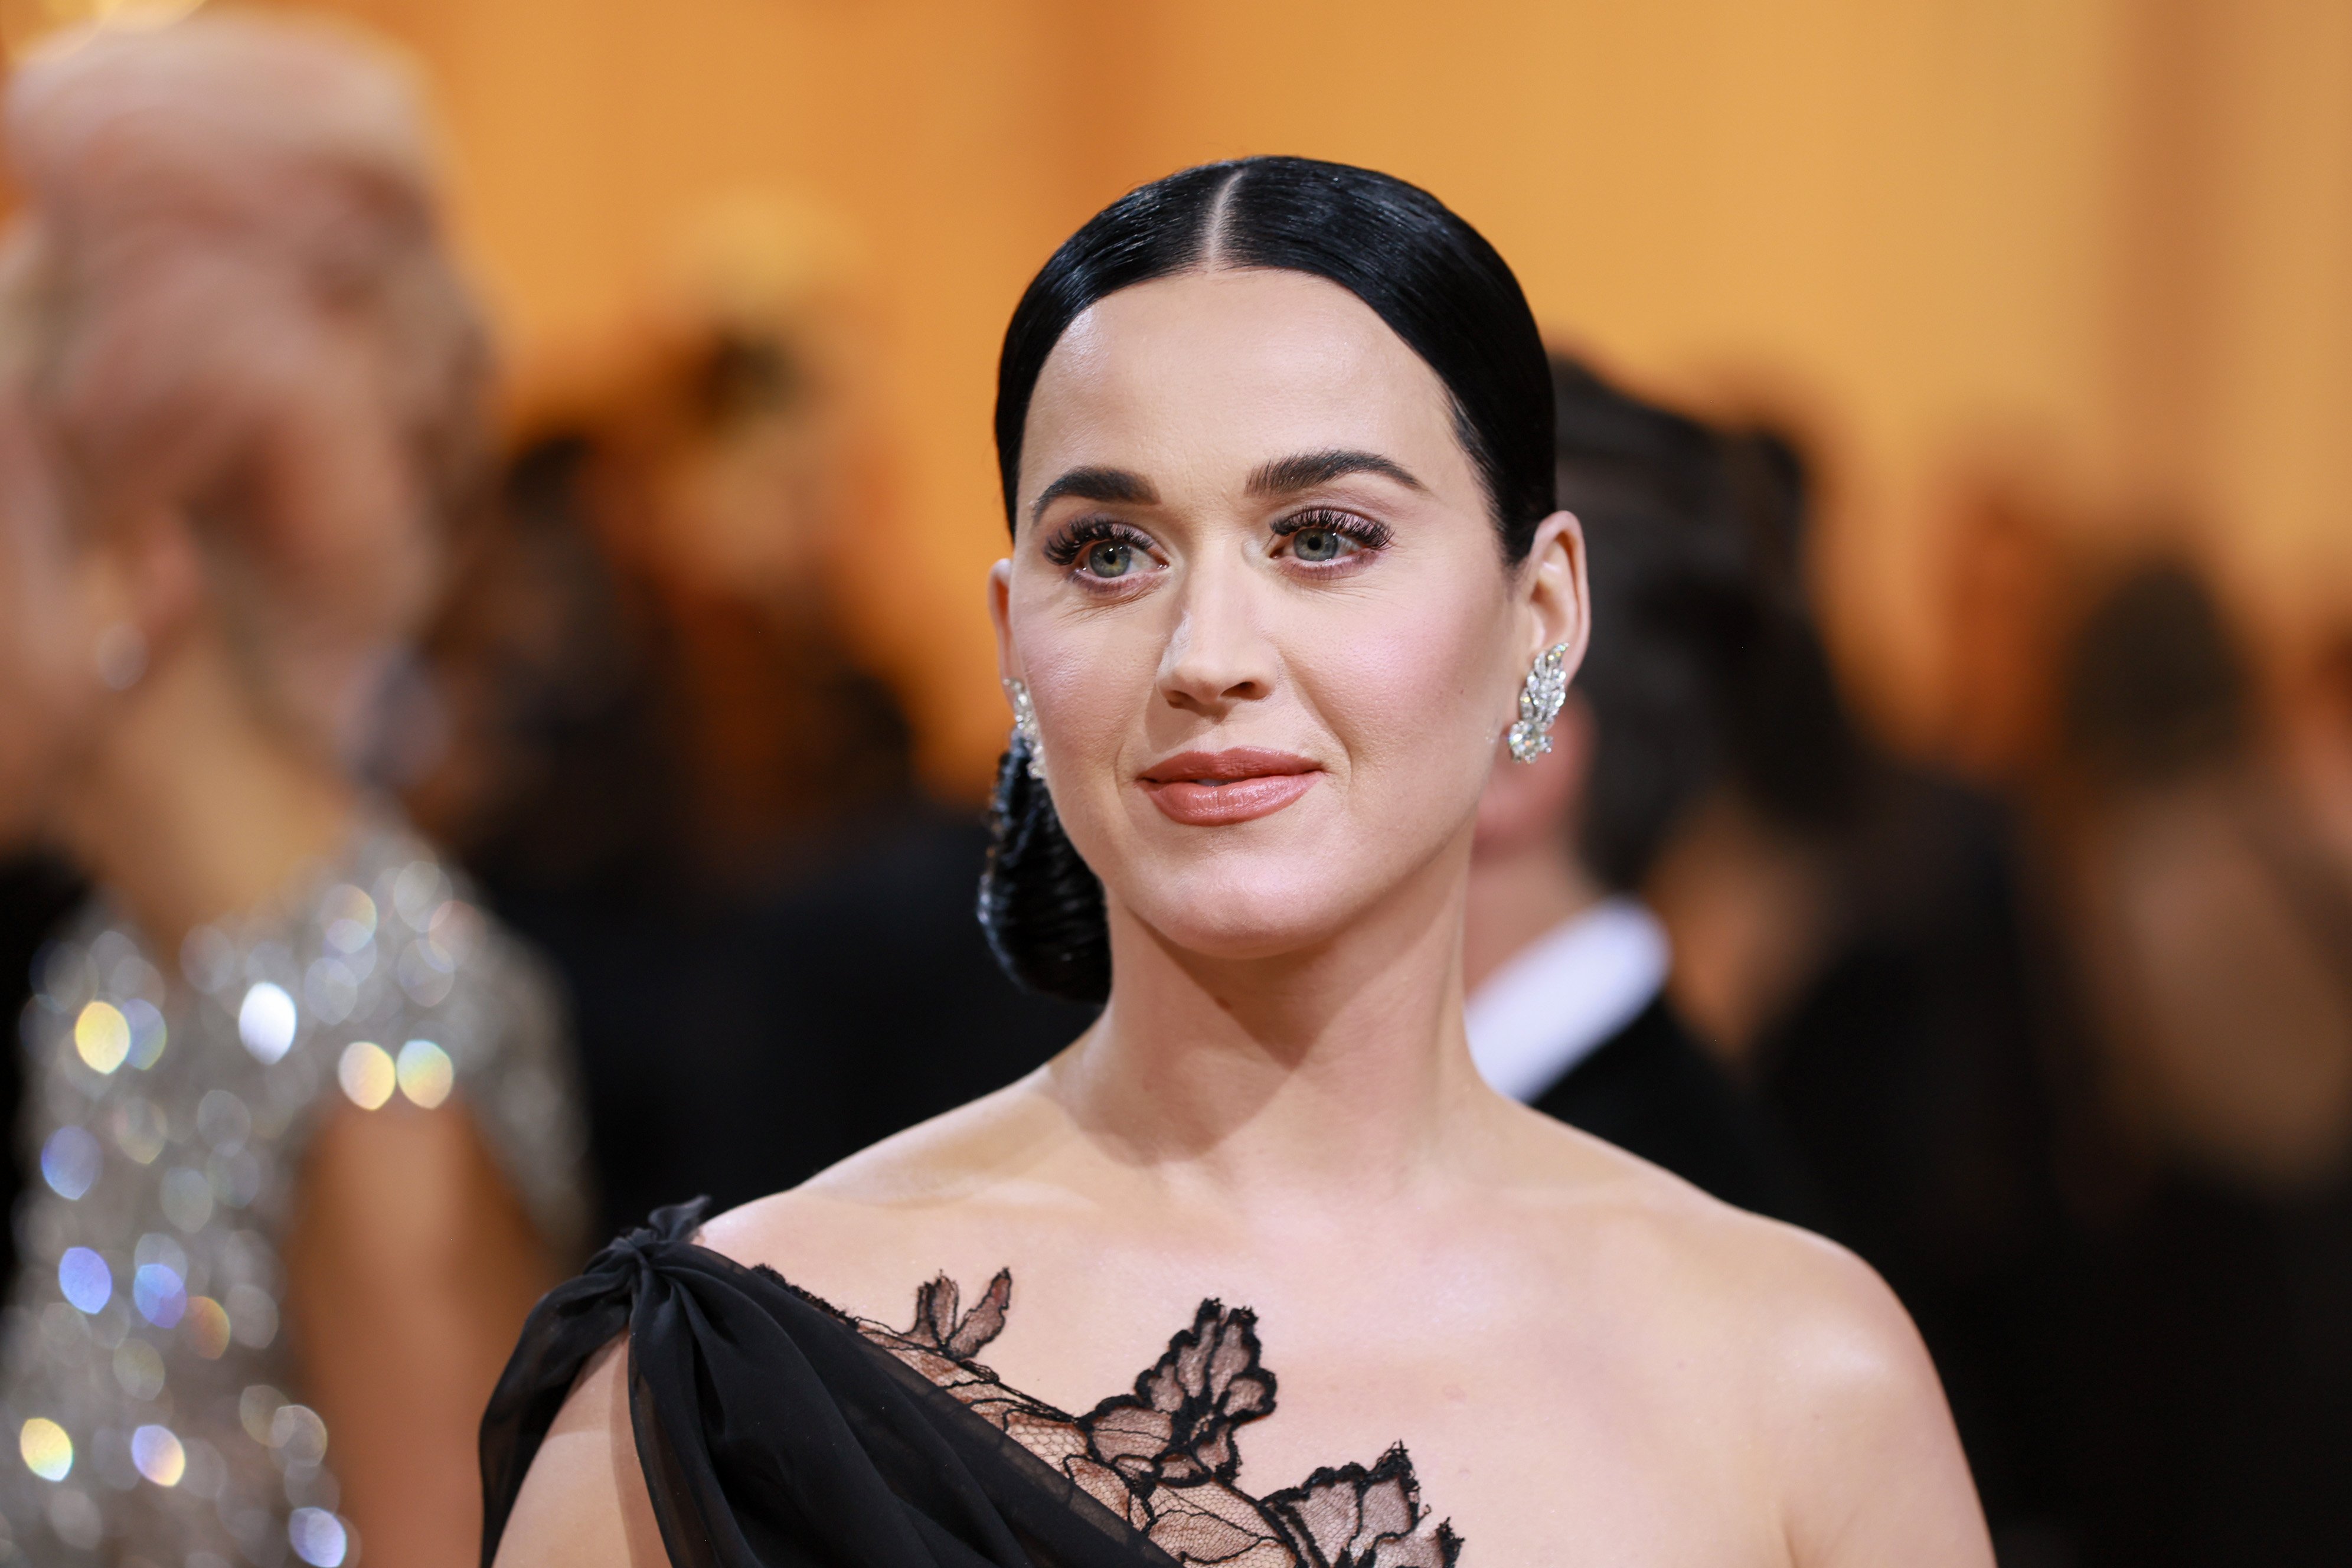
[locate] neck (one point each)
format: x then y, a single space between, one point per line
1516 897
194 806
1341 1070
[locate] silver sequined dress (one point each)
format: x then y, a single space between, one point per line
152 1407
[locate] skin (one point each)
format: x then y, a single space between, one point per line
1591 1362
194 794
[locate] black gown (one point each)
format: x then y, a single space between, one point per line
777 1432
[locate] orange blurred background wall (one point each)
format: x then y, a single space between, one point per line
2096 250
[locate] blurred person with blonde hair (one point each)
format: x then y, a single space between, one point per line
265 1282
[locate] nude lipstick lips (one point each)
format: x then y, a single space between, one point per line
1211 789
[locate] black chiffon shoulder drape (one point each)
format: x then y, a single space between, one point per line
774 1436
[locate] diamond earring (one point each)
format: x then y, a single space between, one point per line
1025 729
1539 704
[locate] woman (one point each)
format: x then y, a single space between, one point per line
1275 442
306 1145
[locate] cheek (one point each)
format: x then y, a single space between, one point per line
1415 697
1092 678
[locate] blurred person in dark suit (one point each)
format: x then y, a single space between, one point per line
1567 967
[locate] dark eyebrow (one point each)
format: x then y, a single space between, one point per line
1288 475
1095 484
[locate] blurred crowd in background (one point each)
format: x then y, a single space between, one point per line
2047 1001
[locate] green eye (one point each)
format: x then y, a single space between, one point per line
1316 544
1109 558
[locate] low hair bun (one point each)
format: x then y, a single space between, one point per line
1040 903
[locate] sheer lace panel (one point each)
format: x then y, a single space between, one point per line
1163 1457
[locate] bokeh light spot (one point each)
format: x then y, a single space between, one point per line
367 1074
350 918
71 1161
206 1327
426 1073
257 1407
141 1129
297 1434
149 1033
85 1279
265 1022
102 1035
48 1452
157 1454
157 1293
317 1537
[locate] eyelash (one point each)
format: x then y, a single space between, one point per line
1365 532
1065 548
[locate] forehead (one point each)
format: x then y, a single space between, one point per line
1212 370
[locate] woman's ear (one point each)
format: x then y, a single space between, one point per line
1559 599
1000 597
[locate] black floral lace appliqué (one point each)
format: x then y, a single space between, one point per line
1164 1458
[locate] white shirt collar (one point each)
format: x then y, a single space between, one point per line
1564 994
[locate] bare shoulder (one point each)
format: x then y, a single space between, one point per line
1774 1290
1792 1338
1829 1338
1870 1466
584 1503
867 1226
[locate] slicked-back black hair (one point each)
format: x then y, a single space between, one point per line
1439 285
1430 276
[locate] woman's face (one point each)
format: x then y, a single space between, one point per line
1258 600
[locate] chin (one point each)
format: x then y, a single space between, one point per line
1248 908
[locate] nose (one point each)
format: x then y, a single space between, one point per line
1218 654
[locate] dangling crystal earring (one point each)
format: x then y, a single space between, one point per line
1539 704
1024 728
